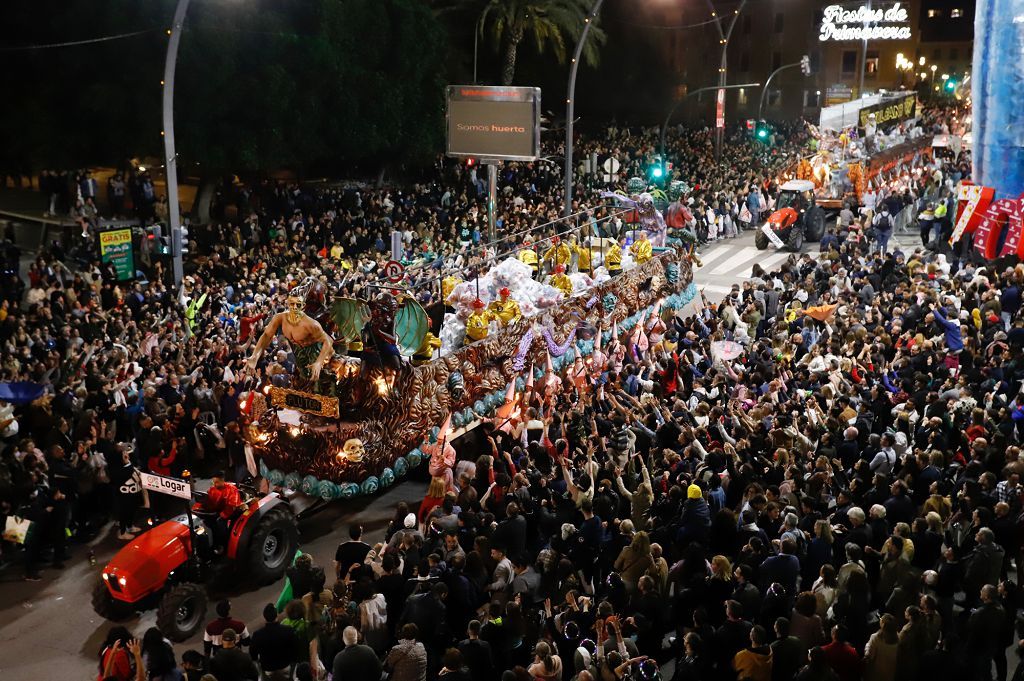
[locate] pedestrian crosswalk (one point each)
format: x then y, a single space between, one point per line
735 260
731 261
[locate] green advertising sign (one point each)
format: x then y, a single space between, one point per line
116 248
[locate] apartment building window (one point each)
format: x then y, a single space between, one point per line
741 96
849 62
778 22
934 13
871 64
956 13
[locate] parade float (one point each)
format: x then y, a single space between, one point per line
374 393
861 145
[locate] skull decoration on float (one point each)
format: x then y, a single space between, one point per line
352 451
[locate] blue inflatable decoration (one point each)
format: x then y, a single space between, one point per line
387 477
275 477
434 432
997 97
457 419
263 469
479 407
347 490
414 458
672 273
370 485
520 384
609 301
327 490
292 480
400 467
309 485
468 416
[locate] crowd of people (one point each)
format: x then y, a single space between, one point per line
816 478
137 376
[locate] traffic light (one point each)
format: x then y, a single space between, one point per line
656 171
761 132
805 65
950 85
179 241
470 162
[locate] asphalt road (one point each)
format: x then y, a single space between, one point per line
48 629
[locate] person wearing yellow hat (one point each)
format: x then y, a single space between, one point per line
693 492
505 308
641 249
558 254
448 285
613 258
583 255
561 281
478 322
527 254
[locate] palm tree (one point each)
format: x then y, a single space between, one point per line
548 22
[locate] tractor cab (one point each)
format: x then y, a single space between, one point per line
796 218
796 194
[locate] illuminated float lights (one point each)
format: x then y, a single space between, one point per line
467 417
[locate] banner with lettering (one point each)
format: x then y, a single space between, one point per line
890 112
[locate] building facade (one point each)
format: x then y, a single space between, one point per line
769 34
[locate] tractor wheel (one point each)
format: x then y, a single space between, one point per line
182 611
273 545
814 224
108 607
796 239
760 239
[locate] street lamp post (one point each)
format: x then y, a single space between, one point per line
170 156
476 42
764 90
864 56
723 38
570 100
678 103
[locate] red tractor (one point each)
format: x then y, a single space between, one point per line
797 218
169 565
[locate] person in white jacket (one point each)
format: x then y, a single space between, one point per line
373 620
